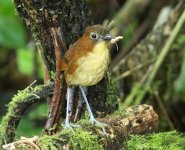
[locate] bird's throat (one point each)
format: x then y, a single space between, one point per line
101 48
92 67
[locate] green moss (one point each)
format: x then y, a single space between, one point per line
84 140
20 97
76 140
53 142
157 141
85 120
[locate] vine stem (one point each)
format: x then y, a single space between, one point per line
166 48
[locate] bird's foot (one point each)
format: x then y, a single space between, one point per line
70 126
99 124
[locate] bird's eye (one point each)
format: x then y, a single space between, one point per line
94 35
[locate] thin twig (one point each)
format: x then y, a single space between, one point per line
129 72
44 67
137 88
55 105
161 106
23 140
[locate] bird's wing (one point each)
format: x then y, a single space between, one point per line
63 65
77 50
71 55
68 57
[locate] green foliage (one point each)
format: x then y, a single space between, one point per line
180 42
25 62
7 8
27 128
39 112
128 33
12 33
180 82
157 141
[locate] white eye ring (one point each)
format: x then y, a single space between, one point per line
94 35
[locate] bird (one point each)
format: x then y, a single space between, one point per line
85 63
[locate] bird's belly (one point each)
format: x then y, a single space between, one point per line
91 69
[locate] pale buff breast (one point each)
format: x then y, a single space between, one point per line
92 67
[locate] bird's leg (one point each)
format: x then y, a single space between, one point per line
69 97
92 119
70 105
70 91
79 107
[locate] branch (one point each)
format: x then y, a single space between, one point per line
18 106
139 119
59 91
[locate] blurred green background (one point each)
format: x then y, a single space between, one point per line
19 66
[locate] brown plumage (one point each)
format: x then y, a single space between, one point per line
85 63
82 48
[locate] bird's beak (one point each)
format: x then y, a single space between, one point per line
107 37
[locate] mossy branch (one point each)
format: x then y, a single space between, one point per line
134 120
18 106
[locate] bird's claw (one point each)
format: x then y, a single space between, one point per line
71 126
99 124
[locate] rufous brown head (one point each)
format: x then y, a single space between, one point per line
96 33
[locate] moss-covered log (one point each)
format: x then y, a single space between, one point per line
134 120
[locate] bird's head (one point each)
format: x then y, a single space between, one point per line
96 34
95 38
